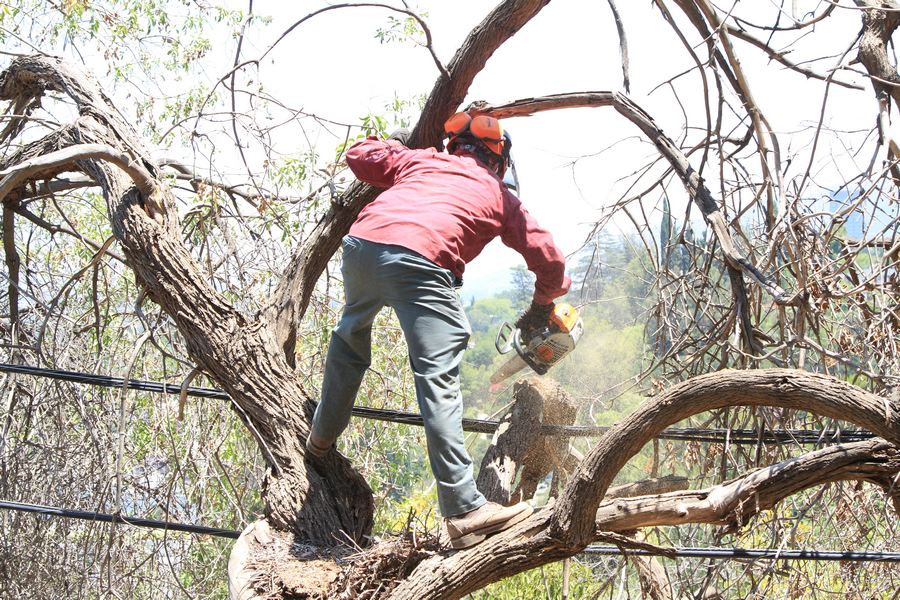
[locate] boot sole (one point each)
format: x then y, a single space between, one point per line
478 536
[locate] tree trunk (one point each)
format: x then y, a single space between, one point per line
327 502
314 500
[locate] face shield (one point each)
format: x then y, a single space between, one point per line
511 177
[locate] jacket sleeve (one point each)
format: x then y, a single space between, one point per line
376 161
522 233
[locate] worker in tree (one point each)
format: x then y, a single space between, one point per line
407 250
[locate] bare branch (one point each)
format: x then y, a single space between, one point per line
734 503
36 168
698 192
574 514
780 57
623 45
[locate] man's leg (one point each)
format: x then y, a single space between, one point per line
436 332
349 353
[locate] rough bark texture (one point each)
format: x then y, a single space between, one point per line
733 503
880 20
518 446
317 501
573 518
328 502
571 523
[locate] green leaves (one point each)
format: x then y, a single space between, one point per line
406 29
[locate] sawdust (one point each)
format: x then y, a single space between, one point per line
281 568
287 570
375 572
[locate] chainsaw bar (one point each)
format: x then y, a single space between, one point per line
509 368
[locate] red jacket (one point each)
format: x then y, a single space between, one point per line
447 208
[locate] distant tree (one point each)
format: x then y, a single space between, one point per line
522 288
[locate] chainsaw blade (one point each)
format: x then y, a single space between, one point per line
509 368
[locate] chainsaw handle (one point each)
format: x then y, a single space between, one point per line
504 341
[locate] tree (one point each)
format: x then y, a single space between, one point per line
254 357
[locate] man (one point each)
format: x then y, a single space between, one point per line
407 250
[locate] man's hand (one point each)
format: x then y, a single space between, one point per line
401 135
533 320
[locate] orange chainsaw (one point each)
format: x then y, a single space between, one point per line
546 347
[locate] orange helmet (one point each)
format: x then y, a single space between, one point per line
483 128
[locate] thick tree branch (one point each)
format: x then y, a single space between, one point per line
734 503
573 518
571 523
38 167
880 19
329 503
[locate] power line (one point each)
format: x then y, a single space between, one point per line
718 436
683 552
754 553
116 518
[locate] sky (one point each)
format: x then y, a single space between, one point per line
571 163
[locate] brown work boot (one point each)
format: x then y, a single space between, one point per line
470 528
317 445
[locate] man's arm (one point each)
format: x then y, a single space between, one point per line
375 161
522 233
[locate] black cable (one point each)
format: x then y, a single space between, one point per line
110 518
763 553
685 552
717 436
111 382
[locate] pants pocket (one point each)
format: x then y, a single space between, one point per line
350 243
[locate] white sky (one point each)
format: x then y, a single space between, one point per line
334 67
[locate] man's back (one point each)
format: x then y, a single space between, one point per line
447 208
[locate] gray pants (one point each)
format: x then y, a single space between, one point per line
436 330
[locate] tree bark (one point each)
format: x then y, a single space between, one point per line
315 500
880 20
654 578
573 518
328 502
571 523
733 503
518 446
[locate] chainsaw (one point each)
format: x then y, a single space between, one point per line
546 347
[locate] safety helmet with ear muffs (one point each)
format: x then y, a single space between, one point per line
485 131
